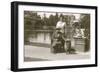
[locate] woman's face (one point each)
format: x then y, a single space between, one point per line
61 19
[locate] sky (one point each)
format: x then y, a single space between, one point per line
77 16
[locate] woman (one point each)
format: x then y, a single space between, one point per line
61 25
58 36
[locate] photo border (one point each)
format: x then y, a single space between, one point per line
14 35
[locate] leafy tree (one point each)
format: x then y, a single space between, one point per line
30 23
85 23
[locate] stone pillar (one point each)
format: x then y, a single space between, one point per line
79 44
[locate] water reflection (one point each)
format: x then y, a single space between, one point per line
40 37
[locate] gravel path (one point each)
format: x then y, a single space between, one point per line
35 53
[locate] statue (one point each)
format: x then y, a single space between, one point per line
77 31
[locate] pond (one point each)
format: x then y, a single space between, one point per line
41 37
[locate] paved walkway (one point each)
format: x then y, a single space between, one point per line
35 53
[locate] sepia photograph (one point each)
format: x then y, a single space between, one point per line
50 36
53 36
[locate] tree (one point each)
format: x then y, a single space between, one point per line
30 23
85 23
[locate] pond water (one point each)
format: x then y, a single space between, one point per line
41 37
